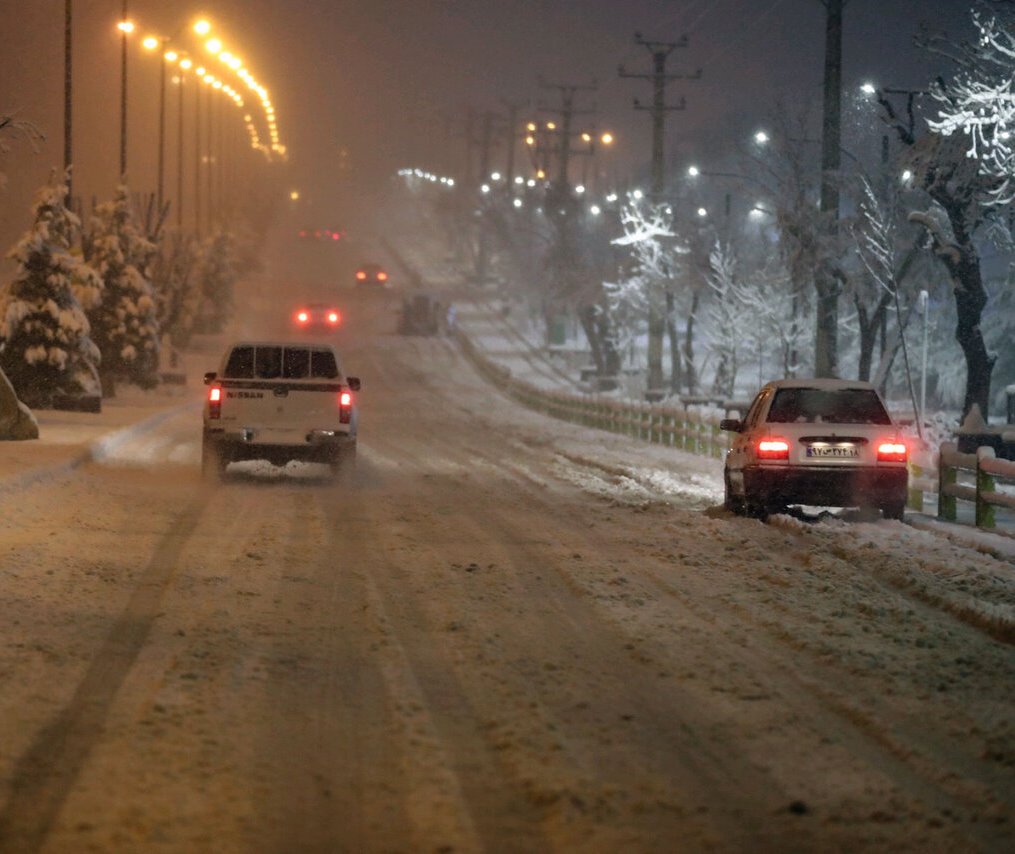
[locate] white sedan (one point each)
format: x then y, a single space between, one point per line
816 442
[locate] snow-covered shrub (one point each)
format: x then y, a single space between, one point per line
47 350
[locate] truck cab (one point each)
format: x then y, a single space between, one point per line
279 401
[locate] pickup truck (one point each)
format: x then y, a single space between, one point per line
279 401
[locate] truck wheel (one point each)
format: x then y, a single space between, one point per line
344 462
213 462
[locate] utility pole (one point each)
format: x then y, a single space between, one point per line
511 139
567 111
67 88
826 356
660 52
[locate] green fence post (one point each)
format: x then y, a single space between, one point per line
947 475
914 499
984 483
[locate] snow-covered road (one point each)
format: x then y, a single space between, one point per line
503 633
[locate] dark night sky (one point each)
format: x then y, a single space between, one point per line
379 76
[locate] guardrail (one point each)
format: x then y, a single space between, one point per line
678 427
985 470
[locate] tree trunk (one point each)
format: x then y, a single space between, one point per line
870 326
676 375
656 329
970 300
690 373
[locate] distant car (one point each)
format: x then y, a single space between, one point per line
816 442
317 317
279 401
372 274
420 315
321 235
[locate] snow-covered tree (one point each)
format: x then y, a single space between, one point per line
979 101
657 257
124 323
216 273
956 208
726 318
877 236
46 348
12 128
177 289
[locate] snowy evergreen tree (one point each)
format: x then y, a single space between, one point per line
216 273
177 289
124 323
46 348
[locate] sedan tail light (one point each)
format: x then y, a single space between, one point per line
302 316
891 452
344 407
773 449
333 317
382 277
361 275
215 402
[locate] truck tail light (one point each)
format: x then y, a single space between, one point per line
344 407
891 452
215 402
773 449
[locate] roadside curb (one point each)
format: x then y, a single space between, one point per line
999 546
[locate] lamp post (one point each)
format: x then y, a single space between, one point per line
924 306
153 43
126 27
67 80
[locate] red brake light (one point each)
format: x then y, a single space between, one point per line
214 401
334 235
332 317
773 449
361 275
344 407
302 316
891 452
382 276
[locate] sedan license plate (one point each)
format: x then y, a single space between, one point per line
842 451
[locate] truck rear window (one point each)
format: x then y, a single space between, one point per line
271 363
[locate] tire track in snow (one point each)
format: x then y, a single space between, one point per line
46 773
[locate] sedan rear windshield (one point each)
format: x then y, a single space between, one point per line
287 363
827 406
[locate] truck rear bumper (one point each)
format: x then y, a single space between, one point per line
318 445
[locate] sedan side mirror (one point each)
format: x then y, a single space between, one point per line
209 377
733 425
354 383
